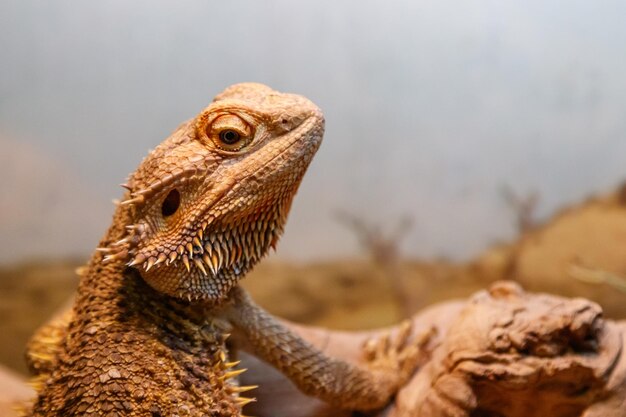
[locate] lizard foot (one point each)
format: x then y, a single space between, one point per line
396 357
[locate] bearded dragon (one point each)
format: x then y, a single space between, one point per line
147 333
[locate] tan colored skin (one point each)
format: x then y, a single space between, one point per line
148 329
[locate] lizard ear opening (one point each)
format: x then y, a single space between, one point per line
170 203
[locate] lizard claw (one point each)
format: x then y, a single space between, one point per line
396 356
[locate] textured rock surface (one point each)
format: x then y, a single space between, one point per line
514 354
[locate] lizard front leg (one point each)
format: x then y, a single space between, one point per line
390 362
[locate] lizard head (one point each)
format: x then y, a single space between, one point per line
207 203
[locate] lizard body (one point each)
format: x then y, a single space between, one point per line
147 334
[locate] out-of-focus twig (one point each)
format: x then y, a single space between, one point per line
384 249
524 207
597 277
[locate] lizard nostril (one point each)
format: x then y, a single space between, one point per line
171 203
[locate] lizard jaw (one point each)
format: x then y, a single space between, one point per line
208 269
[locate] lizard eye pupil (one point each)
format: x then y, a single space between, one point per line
229 137
171 203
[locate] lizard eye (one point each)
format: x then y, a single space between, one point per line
229 137
171 203
230 133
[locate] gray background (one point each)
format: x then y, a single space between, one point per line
431 107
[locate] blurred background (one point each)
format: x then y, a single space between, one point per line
467 141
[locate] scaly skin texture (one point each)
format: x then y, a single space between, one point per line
147 332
